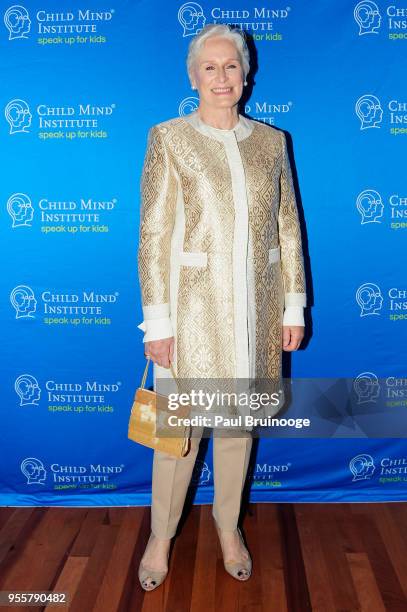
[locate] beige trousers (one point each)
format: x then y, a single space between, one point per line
172 476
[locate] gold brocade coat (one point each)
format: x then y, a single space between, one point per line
220 253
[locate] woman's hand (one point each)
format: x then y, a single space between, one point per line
160 351
292 336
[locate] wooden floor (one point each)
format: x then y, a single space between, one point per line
325 557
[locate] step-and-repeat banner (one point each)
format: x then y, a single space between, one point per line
81 85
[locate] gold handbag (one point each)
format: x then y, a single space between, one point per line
150 408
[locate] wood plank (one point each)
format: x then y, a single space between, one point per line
298 597
250 591
114 516
398 512
133 596
392 534
182 565
350 537
88 588
6 512
69 578
385 576
86 538
321 595
339 574
368 593
44 552
17 529
204 577
269 562
226 587
119 566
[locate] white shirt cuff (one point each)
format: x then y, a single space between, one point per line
295 299
156 329
157 323
293 315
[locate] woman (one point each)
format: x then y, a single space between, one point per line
221 274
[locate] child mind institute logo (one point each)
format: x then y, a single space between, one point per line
368 17
61 28
260 21
370 206
83 308
366 387
191 18
188 105
17 21
87 396
18 116
23 300
201 473
391 470
28 390
75 476
362 467
79 121
370 299
261 110
20 209
62 216
369 111
34 470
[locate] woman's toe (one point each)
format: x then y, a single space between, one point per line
149 584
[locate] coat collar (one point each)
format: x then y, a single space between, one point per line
242 129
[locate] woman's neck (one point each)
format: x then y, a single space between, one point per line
222 118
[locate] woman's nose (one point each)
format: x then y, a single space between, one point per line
222 75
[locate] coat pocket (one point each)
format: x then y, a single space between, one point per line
274 255
197 259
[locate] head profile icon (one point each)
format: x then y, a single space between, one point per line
201 473
17 21
18 115
188 105
369 111
369 298
28 390
362 467
192 18
370 206
33 469
367 16
23 301
20 209
366 387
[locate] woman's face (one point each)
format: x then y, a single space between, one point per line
218 73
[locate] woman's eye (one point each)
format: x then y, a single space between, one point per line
212 67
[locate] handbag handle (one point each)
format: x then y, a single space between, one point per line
143 380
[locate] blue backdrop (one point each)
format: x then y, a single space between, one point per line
81 87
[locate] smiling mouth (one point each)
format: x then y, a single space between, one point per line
222 90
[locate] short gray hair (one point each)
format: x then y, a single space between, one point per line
235 35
